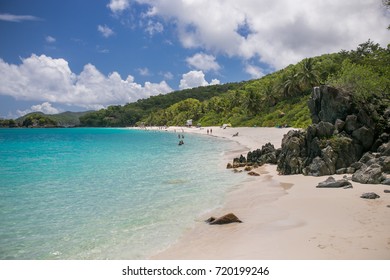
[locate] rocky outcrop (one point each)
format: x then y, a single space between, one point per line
293 154
267 154
346 136
343 130
225 219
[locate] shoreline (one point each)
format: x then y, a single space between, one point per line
287 217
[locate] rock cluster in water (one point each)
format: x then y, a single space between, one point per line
346 136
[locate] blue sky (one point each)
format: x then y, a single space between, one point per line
87 54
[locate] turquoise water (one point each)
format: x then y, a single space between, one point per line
104 193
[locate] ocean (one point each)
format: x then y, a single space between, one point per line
105 193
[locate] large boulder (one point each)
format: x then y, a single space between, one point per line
369 174
328 104
364 136
333 183
351 124
325 129
293 153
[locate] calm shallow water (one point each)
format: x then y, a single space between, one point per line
104 193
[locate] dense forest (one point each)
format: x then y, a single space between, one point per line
277 99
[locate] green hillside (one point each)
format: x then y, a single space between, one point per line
277 99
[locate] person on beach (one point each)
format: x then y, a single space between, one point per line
207 131
211 131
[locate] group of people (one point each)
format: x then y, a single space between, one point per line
210 131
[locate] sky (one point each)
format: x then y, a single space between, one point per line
79 55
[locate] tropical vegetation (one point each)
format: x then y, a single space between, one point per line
276 99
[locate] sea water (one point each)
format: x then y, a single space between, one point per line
86 193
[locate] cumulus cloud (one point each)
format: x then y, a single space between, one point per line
274 32
45 107
18 18
45 79
118 5
105 31
204 62
195 79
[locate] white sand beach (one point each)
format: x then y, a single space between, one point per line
287 217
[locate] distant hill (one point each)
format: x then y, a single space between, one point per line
39 119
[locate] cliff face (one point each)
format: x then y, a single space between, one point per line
347 136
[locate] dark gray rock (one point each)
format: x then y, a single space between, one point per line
333 183
318 167
325 129
339 125
267 154
366 158
370 195
386 181
357 165
341 171
327 104
364 136
225 219
369 174
384 161
293 153
365 119
351 124
386 191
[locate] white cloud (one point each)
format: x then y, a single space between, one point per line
118 5
144 71
215 82
50 39
42 78
204 62
154 27
195 79
168 75
274 32
254 71
45 107
105 31
18 18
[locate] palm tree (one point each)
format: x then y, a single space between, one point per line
291 83
252 102
308 76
